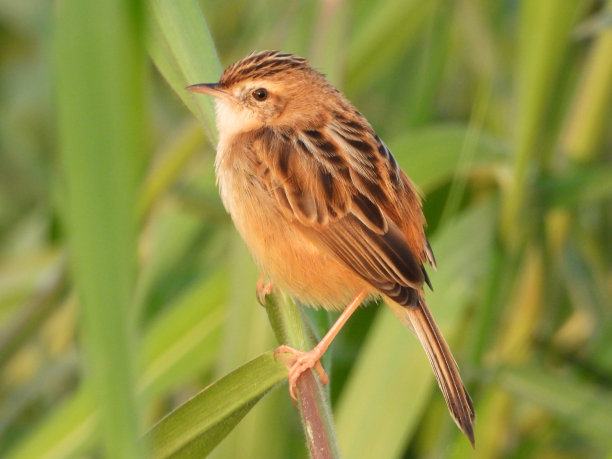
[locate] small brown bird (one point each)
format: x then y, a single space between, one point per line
323 207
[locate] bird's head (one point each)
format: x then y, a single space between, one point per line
268 88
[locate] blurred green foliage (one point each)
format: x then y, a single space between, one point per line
499 111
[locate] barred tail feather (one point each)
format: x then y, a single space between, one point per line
444 367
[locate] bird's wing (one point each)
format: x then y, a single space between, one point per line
343 187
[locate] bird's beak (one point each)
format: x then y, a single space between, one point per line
212 89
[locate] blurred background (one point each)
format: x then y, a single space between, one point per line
500 113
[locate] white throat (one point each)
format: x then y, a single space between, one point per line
232 119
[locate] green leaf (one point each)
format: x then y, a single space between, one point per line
579 186
589 118
431 154
184 333
544 30
197 426
65 433
179 343
183 50
584 408
381 33
100 95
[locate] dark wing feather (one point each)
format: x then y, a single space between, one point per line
339 184
384 260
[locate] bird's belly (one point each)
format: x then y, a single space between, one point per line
308 273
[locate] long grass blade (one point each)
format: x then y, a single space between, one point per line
101 120
196 427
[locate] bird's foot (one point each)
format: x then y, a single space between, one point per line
300 361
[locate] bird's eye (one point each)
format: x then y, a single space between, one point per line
260 94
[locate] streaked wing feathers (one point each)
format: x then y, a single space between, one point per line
342 185
384 260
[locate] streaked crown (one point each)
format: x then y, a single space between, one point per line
263 64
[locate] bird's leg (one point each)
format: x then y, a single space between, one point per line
263 289
300 361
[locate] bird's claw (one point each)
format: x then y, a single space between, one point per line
298 362
263 289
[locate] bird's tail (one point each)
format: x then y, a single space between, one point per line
444 367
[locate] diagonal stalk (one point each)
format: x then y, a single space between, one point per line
291 328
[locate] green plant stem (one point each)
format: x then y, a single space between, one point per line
290 328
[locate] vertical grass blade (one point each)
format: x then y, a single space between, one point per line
183 51
545 27
100 73
590 118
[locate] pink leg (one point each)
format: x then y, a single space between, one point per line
302 360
